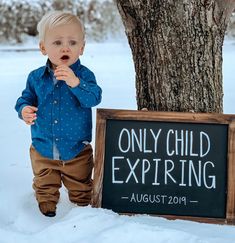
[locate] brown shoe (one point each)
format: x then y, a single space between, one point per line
48 209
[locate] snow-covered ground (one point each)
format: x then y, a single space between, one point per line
20 219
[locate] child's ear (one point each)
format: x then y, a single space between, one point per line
82 49
42 48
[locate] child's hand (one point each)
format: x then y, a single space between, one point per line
29 114
65 73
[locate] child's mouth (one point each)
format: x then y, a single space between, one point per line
64 58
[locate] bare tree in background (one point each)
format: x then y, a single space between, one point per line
177 52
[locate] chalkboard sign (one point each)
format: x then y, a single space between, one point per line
165 163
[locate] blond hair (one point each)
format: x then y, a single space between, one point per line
57 18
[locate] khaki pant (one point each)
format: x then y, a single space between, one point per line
75 175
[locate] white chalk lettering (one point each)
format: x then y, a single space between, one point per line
184 143
141 140
212 177
191 169
128 139
132 168
168 143
156 172
204 136
137 139
179 142
168 170
155 137
158 199
115 169
182 183
191 153
145 143
145 169
191 173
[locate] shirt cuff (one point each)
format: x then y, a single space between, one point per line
80 88
20 111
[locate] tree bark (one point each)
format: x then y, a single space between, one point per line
177 52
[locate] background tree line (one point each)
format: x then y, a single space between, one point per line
20 17
101 18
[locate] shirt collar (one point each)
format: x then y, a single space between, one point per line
48 69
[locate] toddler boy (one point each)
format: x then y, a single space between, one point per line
57 104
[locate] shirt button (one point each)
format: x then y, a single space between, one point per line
55 102
55 121
57 139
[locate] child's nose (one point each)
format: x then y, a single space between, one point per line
65 48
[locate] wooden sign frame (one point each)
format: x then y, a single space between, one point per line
104 114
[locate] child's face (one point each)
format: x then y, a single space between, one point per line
63 44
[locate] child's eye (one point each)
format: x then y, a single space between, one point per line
72 42
57 43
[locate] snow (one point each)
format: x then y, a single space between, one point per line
20 219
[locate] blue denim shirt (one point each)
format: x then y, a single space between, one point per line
64 119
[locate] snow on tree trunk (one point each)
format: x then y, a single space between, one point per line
177 52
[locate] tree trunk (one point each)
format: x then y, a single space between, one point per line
177 52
